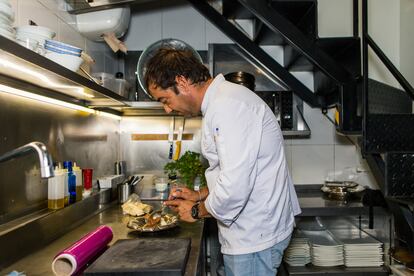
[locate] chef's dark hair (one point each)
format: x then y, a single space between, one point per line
167 63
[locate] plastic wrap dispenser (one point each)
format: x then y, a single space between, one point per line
94 24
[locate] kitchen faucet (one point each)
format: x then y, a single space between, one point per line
46 163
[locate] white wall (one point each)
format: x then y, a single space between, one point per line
407 40
52 14
384 28
335 18
172 19
309 159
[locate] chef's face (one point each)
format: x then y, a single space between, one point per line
178 99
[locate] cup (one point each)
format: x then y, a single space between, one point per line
87 178
161 184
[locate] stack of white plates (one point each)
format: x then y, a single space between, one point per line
325 250
34 37
327 255
298 252
6 20
360 249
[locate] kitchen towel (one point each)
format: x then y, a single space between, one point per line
74 258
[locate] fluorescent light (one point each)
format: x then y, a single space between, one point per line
43 78
22 93
108 115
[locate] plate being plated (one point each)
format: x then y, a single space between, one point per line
153 223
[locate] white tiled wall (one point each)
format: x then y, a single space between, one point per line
52 14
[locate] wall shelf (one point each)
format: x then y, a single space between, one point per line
24 69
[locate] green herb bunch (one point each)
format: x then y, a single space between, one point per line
187 167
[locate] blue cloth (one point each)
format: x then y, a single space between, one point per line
262 263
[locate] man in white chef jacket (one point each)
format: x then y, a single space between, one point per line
250 191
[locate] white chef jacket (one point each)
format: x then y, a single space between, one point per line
250 189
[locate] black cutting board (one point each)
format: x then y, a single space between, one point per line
146 256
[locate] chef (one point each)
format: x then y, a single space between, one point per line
250 191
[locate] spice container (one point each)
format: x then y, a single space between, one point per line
78 173
71 181
87 181
56 190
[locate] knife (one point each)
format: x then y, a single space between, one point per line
171 138
178 142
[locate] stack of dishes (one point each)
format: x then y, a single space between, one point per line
298 252
66 55
34 37
6 20
325 250
360 249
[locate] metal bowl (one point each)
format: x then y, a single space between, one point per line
152 49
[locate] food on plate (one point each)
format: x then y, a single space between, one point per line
135 208
153 222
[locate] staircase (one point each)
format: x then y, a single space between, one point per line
381 114
292 26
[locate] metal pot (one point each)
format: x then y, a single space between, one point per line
125 189
242 78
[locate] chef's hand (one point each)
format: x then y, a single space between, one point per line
182 207
183 193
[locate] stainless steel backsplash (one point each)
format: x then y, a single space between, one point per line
151 156
90 140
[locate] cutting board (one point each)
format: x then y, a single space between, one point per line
146 256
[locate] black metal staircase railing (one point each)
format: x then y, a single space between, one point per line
388 137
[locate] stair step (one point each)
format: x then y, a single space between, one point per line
389 132
344 50
399 174
385 99
232 9
303 14
254 52
390 122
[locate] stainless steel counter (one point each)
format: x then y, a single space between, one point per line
39 263
314 202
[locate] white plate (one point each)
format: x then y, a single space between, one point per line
5 20
7 34
7 11
7 28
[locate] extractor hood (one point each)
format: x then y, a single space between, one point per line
82 6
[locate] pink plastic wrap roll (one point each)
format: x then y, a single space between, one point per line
76 256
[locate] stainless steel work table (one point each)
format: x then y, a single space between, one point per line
39 262
313 202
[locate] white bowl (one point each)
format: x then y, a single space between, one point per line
40 38
39 33
71 62
61 51
7 34
29 44
63 46
7 2
6 10
7 27
5 20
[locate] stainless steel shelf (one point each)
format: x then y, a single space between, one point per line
24 69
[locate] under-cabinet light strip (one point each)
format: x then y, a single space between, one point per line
22 93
